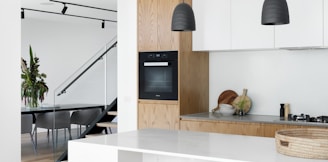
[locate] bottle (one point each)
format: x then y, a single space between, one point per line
287 111
282 111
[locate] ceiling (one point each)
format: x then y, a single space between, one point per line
47 5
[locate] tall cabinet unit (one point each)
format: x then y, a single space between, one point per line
154 34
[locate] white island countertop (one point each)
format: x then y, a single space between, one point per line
195 146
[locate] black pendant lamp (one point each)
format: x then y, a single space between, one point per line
275 12
183 18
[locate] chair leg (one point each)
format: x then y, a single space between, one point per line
69 132
33 143
36 137
53 141
65 134
77 131
110 130
48 135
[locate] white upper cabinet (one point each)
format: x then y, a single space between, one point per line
325 23
306 25
247 32
212 25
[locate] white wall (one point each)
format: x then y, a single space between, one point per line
10 80
297 77
63 48
127 65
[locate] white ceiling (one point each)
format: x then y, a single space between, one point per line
47 5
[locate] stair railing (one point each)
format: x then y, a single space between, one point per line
61 89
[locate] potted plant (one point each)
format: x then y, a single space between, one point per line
33 88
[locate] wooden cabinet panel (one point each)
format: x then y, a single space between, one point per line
167 39
240 128
154 25
250 129
147 25
158 115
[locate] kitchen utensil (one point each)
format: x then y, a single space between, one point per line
226 109
226 97
242 102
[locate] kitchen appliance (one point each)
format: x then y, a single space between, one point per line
308 118
158 75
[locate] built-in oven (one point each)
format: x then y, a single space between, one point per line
158 75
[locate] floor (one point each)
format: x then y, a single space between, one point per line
44 151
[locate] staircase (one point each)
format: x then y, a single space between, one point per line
99 126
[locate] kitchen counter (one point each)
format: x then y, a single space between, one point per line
248 118
150 145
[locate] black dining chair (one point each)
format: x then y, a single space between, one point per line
84 118
26 127
53 121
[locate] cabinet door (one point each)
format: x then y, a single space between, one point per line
306 25
212 25
155 115
147 25
167 39
325 22
247 32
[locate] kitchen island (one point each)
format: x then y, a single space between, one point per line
156 145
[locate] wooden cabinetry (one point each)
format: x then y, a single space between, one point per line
158 114
154 34
306 25
154 25
240 128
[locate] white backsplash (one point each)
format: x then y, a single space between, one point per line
298 77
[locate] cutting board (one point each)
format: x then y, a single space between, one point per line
226 97
243 98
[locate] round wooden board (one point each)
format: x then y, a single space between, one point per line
226 97
247 104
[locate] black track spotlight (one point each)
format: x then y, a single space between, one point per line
275 12
183 18
22 14
64 9
103 24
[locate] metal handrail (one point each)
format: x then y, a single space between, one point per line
85 70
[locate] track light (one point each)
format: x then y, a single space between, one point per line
64 9
22 14
183 18
103 24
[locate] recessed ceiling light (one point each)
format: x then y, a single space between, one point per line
47 3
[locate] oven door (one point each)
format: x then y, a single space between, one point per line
158 80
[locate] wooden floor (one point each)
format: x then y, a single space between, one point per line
45 152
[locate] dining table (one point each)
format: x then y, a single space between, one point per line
61 107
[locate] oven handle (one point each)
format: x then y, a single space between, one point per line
156 63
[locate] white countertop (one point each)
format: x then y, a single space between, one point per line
195 145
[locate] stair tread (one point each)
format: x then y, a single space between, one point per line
107 124
93 135
112 113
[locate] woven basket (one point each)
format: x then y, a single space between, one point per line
308 143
